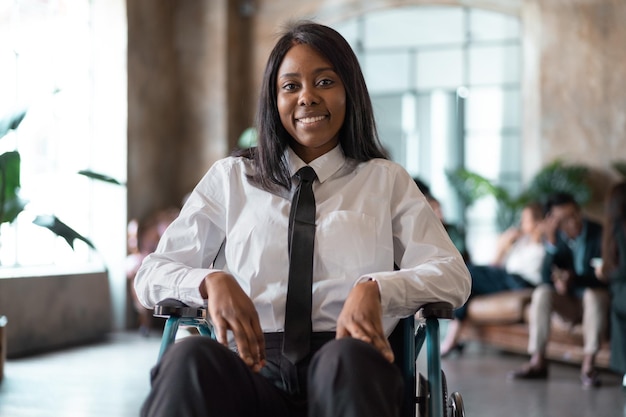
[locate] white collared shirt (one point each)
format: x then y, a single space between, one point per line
368 216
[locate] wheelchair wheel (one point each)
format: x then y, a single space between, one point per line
423 394
455 405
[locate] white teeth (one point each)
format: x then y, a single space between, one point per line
311 119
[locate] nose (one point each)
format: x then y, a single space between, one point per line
308 96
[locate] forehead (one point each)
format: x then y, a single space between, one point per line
300 58
565 209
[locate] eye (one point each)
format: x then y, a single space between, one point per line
289 86
325 82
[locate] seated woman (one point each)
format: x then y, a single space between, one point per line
517 265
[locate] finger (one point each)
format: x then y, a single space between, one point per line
243 343
220 326
358 330
341 332
255 342
381 343
260 346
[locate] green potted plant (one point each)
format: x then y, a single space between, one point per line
11 204
555 177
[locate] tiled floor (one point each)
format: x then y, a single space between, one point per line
111 379
106 379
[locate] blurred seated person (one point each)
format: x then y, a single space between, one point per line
143 238
569 288
517 265
612 269
457 234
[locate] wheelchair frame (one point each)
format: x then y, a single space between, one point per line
431 399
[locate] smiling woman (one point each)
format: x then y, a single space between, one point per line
311 102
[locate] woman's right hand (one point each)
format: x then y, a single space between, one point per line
231 309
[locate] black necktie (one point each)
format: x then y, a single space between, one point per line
298 327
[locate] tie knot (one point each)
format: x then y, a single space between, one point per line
306 174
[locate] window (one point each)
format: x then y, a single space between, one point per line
445 85
65 62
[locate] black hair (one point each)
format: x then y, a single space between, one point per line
358 135
559 199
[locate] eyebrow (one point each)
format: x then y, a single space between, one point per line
316 71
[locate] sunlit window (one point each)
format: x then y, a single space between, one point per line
64 63
445 85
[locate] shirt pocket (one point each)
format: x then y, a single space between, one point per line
346 243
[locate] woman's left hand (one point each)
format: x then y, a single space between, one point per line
362 318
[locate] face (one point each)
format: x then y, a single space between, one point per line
569 219
311 102
528 223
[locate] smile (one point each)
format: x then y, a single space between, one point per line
309 120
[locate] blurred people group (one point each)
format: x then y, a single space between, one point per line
576 268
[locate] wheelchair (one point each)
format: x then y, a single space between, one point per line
424 396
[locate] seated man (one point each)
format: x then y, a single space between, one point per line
570 289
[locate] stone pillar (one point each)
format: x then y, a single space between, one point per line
188 95
575 99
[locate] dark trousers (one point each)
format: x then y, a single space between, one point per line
346 377
487 279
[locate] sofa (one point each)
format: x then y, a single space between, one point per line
501 321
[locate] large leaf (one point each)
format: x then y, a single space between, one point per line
100 177
620 166
558 177
472 187
59 228
11 121
10 203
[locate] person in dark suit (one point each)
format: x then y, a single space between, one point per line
612 269
570 288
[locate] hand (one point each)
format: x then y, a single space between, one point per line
362 318
550 225
231 309
562 279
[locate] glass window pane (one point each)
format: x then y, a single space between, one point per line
388 113
349 29
492 109
487 25
482 153
491 154
414 26
386 72
440 69
494 64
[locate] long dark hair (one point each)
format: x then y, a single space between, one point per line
614 218
358 135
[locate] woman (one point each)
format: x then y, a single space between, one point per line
613 269
314 111
517 265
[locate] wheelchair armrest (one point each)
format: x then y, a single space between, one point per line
438 310
171 307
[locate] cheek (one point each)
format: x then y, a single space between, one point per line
284 110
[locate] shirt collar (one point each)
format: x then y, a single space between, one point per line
324 166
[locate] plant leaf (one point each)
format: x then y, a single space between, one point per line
558 177
620 166
11 121
59 228
99 177
471 186
10 203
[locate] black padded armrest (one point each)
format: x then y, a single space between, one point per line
172 307
439 310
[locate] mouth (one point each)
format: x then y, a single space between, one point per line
310 120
